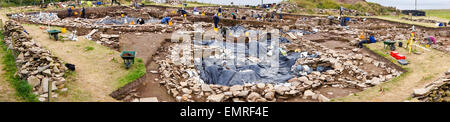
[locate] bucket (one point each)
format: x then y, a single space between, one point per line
63 30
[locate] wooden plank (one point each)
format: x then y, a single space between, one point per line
292 35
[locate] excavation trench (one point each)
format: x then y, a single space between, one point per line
149 84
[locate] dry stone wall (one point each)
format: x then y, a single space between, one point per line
35 63
437 91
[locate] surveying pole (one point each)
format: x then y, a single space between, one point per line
415 5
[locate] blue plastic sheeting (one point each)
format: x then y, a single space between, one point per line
284 40
226 75
238 72
127 20
301 31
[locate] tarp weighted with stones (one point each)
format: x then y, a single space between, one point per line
212 70
254 68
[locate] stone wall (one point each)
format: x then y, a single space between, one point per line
34 63
183 81
437 91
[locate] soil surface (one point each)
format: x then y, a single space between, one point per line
148 46
97 71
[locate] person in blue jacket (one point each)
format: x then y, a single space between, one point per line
216 20
372 39
69 11
165 20
195 9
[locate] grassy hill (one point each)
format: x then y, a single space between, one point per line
360 5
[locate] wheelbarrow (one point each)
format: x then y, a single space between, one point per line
390 44
128 58
54 34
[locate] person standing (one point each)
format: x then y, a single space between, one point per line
69 12
83 13
279 12
216 20
112 2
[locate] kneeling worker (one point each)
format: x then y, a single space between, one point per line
165 20
141 21
371 40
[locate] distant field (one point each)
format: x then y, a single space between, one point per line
444 13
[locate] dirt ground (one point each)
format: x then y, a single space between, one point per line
97 71
423 69
147 45
6 90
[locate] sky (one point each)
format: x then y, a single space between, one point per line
409 4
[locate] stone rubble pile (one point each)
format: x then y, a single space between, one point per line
346 69
184 83
421 20
40 17
437 91
111 41
35 64
288 7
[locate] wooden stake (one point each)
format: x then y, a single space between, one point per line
49 90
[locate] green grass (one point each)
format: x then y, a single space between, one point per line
137 70
362 7
88 48
384 54
23 90
443 13
190 4
75 93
